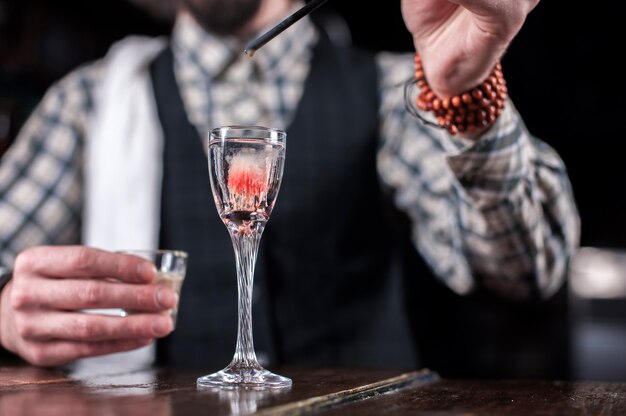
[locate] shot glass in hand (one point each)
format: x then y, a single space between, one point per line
171 266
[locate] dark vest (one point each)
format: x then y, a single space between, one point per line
327 288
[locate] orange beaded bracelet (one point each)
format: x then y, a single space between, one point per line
473 109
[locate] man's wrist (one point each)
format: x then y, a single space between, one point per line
472 111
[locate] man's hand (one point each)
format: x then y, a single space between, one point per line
461 40
40 317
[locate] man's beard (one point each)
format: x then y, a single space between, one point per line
223 17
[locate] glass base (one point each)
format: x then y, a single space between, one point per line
255 377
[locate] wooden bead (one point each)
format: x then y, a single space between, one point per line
456 101
477 94
445 103
436 104
466 98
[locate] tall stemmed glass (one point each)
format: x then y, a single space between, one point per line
246 168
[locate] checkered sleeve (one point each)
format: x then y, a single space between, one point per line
497 213
41 173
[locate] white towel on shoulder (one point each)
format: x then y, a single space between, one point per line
123 171
124 151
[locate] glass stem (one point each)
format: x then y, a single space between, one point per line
246 245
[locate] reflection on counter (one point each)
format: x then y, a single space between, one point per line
243 401
28 391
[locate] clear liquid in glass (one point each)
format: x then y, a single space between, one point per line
245 181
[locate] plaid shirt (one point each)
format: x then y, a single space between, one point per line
498 212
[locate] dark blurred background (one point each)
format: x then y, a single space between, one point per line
564 78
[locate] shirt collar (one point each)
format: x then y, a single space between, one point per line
213 55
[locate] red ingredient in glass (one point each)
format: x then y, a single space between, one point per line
247 183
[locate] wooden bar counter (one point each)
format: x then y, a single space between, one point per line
26 390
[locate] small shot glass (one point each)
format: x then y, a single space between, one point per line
171 266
